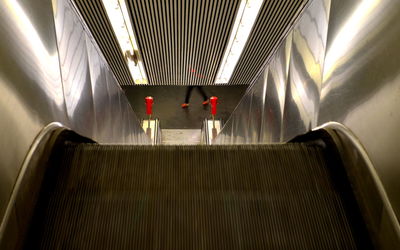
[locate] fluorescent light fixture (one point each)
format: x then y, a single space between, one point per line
245 19
121 24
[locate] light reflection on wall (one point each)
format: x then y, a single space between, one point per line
338 52
42 57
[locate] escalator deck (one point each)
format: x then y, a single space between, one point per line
286 196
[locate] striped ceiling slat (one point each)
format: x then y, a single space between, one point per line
275 19
182 42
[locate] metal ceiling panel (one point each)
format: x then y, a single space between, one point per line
182 42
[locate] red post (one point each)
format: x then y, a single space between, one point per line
213 102
149 104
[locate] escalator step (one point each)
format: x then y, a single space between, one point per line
192 197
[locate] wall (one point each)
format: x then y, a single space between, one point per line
51 71
361 85
339 63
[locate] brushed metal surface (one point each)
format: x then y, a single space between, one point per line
47 76
30 83
241 120
15 216
76 79
101 98
257 108
119 124
97 107
361 87
275 95
370 193
258 116
305 70
210 130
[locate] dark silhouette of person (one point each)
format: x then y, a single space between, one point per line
189 93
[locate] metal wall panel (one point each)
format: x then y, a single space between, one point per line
305 71
101 98
30 84
258 116
41 84
237 129
119 123
361 87
71 40
275 95
242 120
257 108
104 86
93 95
293 84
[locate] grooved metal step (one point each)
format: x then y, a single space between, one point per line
195 197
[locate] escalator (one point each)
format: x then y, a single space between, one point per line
281 196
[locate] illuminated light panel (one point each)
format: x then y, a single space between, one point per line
118 15
245 19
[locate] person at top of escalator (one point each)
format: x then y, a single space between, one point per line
189 93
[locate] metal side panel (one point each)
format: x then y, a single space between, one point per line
305 72
225 136
30 84
71 40
361 87
241 119
101 98
275 93
257 108
118 121
104 86
369 191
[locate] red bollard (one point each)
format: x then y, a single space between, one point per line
149 105
148 100
213 102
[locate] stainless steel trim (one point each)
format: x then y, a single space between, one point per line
38 142
209 131
152 129
356 145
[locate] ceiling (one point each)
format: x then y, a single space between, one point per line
182 42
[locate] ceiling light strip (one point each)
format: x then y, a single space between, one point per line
121 24
245 19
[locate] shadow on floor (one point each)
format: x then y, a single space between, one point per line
167 101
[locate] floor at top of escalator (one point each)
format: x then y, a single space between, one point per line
167 101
